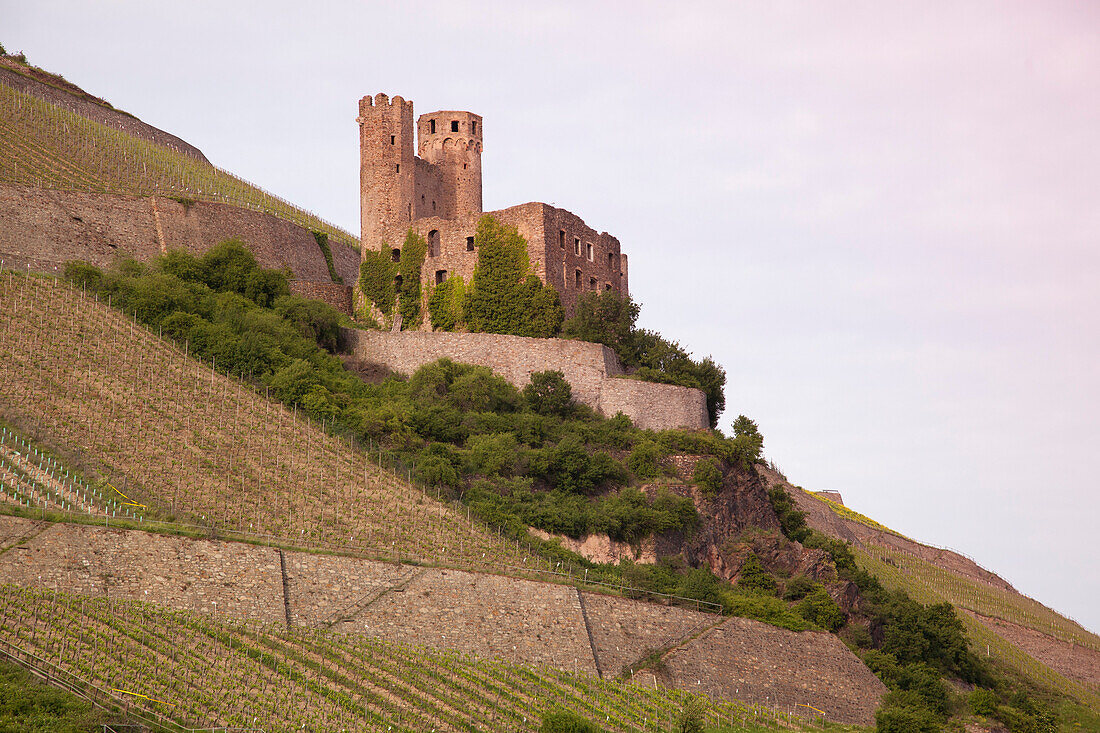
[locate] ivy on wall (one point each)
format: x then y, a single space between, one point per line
322 242
412 261
376 278
505 295
447 305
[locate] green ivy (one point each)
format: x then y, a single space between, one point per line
505 296
322 242
447 304
376 276
412 261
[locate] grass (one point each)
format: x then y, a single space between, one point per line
47 146
30 705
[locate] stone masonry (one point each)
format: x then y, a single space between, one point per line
591 370
44 229
480 614
437 193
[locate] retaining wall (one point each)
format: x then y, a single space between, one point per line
43 229
480 614
589 368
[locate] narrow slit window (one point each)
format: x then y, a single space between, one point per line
577 246
611 260
561 238
431 126
473 127
577 279
469 244
588 251
398 167
393 139
433 243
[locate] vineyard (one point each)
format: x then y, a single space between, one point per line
47 146
177 669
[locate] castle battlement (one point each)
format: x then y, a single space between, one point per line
437 192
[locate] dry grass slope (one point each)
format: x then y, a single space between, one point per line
47 146
199 448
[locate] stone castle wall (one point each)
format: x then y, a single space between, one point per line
485 615
43 229
589 368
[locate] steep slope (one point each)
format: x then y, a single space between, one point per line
195 447
48 146
181 668
1017 631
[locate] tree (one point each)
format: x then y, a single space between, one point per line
548 393
708 477
747 442
605 318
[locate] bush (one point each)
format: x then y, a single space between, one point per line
645 459
820 609
566 721
899 719
708 477
377 273
748 444
798 588
755 579
548 393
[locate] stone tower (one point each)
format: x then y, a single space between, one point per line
451 141
387 167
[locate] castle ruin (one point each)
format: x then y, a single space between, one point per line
437 194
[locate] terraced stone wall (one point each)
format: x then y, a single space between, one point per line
43 229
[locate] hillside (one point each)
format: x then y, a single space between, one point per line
1018 632
206 451
49 146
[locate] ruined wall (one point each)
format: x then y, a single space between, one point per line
338 296
475 613
589 368
654 406
74 99
44 229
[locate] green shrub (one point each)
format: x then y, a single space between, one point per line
768 609
798 588
894 718
548 393
314 320
983 702
748 444
820 609
566 721
645 459
755 579
792 520
708 477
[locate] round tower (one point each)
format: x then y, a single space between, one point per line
451 141
386 168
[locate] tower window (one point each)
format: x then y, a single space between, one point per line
610 260
588 251
454 125
561 238
473 127
433 206
433 243
393 139
577 247
469 244
398 167
395 254
592 283
397 282
440 276
577 279
431 126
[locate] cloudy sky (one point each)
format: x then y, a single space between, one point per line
881 218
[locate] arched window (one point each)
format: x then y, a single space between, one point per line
433 243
